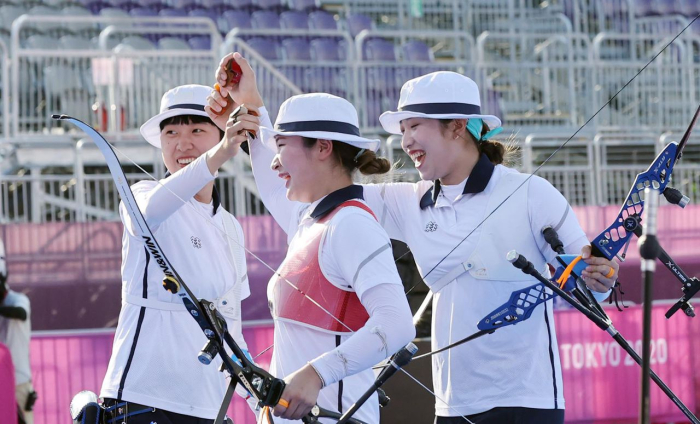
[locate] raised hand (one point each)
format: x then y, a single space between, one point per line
243 92
600 274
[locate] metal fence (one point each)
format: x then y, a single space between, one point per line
116 89
79 188
447 15
661 97
541 79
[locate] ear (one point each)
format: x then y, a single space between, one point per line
459 127
324 148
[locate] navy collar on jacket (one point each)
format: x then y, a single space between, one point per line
334 199
476 183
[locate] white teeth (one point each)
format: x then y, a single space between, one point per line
185 161
417 157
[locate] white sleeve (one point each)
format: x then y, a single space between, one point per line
158 200
384 201
388 329
357 252
270 186
548 207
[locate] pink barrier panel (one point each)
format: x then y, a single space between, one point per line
601 382
65 363
8 404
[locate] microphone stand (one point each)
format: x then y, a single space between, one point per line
605 324
691 285
648 250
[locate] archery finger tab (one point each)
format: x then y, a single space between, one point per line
171 284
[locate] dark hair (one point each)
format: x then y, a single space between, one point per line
190 119
368 163
496 151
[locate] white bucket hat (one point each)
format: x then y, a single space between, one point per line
318 115
182 100
438 95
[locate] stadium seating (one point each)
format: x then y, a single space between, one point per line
175 13
356 23
294 20
321 19
172 43
265 19
303 4
231 19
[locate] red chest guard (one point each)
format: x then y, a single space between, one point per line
301 267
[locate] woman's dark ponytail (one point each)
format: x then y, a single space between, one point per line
350 158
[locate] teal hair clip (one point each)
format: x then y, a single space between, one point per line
476 125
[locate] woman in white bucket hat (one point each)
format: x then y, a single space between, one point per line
513 375
153 374
352 313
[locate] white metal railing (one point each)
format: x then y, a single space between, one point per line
659 98
407 14
30 196
123 86
539 77
621 156
572 171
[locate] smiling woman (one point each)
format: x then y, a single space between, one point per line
337 299
153 324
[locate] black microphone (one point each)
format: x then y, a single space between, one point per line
519 261
399 360
552 238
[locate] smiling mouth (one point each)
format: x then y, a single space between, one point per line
418 158
286 178
185 161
